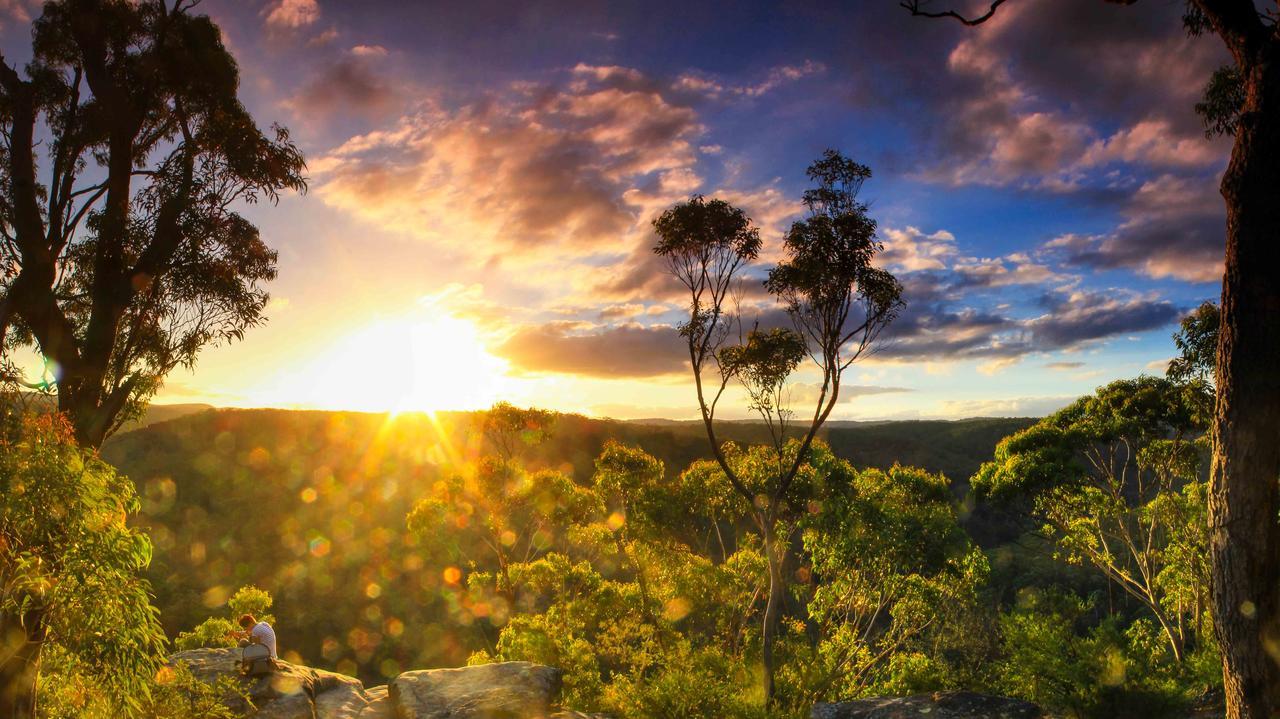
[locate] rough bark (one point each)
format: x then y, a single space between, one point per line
1244 498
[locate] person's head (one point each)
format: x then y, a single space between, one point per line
247 620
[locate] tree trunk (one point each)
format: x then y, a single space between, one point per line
1244 533
20 673
772 611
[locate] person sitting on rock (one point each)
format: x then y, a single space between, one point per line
256 632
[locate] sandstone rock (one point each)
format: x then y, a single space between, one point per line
292 706
512 690
291 692
508 690
939 705
379 706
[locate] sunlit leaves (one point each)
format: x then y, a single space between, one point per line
1116 477
68 560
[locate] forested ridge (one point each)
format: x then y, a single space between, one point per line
305 503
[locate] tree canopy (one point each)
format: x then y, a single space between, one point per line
126 154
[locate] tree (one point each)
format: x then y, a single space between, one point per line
642 625
838 304
130 256
1115 477
70 568
1197 343
1244 496
894 569
508 428
494 516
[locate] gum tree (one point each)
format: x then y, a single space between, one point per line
838 304
1115 477
70 568
124 154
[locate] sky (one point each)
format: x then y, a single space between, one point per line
483 175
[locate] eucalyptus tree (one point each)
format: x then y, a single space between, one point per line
70 568
125 154
1241 100
838 303
1115 477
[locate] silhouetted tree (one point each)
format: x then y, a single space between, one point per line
1243 100
128 257
838 304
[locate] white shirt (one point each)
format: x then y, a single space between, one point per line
266 636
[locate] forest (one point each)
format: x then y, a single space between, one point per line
619 552
576 241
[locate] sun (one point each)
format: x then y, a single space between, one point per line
421 362
449 367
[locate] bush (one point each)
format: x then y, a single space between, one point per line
216 631
1054 658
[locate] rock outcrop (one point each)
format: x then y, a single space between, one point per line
510 690
940 705
291 692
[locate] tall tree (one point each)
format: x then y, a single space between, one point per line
129 256
838 304
1243 100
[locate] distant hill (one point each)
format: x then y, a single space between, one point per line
312 506
154 413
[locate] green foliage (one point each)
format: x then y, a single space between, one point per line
762 364
895 576
218 631
1197 343
251 600
1219 109
828 268
705 226
1054 656
173 693
509 428
691 683
1116 479
70 565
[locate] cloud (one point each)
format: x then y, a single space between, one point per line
291 14
1028 98
911 250
929 330
542 167
714 88
1011 407
805 393
1173 227
1064 366
628 350
19 11
347 86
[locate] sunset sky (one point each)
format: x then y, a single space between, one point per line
483 175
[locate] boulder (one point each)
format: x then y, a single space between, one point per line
379 706
939 705
512 690
507 690
291 692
